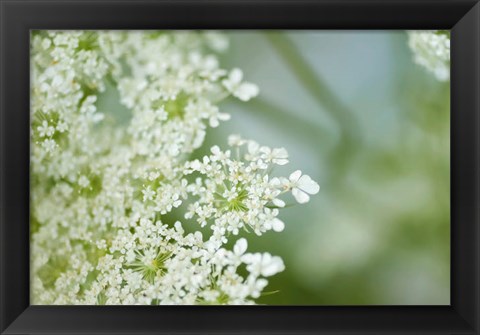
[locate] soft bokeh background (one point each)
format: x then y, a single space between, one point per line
372 128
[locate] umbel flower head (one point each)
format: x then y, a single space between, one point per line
431 49
106 191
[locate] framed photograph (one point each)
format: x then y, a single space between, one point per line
221 167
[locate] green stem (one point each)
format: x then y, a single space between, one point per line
324 95
302 129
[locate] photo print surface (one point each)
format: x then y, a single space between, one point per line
240 168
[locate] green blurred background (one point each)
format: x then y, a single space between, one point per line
373 128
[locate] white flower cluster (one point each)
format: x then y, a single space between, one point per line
432 50
237 193
106 194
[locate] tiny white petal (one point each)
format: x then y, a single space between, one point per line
215 150
246 91
224 116
300 196
275 182
253 147
278 202
305 183
280 161
178 227
213 121
278 225
271 265
240 246
236 76
295 176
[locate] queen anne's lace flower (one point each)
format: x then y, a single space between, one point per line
107 192
432 50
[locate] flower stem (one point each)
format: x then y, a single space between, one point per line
324 95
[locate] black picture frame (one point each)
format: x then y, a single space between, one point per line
18 17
